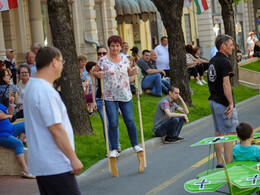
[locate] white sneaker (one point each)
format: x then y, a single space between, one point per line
113 154
203 81
137 149
199 83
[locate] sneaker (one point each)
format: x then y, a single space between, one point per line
171 140
155 95
180 139
199 83
203 81
27 175
92 114
137 149
113 154
219 166
116 155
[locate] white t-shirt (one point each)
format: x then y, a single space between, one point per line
162 61
213 52
251 43
21 89
43 107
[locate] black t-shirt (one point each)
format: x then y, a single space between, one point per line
220 67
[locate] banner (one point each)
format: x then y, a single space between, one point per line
201 6
8 4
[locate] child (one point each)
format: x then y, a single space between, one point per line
245 151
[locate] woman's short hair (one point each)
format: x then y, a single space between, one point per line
188 49
101 47
114 39
89 65
82 57
2 75
24 66
195 49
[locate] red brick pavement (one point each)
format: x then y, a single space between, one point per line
15 185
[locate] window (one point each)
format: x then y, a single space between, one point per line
187 28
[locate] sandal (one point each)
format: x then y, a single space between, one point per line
27 175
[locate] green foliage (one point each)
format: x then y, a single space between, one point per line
91 149
253 66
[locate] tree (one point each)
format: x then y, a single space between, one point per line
227 13
171 14
71 87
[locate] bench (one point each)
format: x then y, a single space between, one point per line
8 162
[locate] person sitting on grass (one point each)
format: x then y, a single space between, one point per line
152 77
166 121
245 151
88 86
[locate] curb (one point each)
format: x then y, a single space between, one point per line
149 144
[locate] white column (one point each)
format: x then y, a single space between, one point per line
36 21
2 40
109 18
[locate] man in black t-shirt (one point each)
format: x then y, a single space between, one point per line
221 97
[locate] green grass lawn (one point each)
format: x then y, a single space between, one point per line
253 66
91 149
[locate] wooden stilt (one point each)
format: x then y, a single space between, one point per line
140 120
105 123
140 156
113 166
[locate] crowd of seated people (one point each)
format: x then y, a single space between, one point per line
13 81
195 65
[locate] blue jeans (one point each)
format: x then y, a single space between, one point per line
171 127
11 141
112 115
100 112
153 81
165 86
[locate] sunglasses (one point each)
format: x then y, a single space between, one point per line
102 53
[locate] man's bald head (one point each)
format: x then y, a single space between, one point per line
153 55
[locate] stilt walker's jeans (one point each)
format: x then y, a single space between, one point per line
112 115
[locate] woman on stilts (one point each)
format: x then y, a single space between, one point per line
116 71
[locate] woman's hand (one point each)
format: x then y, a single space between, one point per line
98 74
11 100
4 116
133 71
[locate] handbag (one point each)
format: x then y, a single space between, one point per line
4 100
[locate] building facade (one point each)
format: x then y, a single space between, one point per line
210 24
93 21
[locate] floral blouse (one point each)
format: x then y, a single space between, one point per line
116 82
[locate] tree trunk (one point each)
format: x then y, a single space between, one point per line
171 14
227 12
71 87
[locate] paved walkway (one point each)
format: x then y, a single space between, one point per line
13 185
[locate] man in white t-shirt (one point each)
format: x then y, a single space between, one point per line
162 61
50 140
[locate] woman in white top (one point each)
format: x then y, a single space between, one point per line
250 44
24 72
115 71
